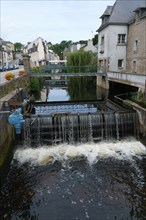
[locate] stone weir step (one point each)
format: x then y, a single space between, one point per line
107 121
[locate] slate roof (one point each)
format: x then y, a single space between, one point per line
122 12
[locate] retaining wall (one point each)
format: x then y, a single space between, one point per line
7 141
141 114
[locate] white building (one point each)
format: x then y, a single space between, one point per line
53 57
112 35
90 47
38 52
6 52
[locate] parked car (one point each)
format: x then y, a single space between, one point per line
11 67
1 68
5 67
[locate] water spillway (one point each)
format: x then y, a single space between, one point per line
71 166
79 123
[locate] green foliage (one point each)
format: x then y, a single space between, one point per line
95 39
81 61
137 97
134 97
18 47
83 42
34 84
36 70
58 48
35 87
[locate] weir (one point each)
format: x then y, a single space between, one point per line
79 123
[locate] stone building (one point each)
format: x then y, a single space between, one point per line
113 34
136 47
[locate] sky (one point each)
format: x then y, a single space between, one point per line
53 20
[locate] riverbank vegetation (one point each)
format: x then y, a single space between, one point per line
139 98
81 62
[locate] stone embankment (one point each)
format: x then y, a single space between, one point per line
9 93
141 114
7 139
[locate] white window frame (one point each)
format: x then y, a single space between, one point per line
121 38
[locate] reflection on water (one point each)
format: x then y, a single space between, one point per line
105 181
77 89
57 94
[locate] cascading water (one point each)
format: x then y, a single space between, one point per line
81 127
77 166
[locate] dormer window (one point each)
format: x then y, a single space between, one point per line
137 16
105 19
139 13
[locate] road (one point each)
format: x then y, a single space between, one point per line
15 72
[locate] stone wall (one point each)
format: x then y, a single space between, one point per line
8 87
7 141
136 48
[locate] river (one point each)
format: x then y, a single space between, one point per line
97 181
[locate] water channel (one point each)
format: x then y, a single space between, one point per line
95 180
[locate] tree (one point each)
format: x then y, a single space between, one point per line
81 61
58 48
18 47
77 62
95 39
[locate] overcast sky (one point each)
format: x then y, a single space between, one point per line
23 21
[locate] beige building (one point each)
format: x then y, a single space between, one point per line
136 48
38 52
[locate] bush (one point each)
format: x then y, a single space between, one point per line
9 76
21 72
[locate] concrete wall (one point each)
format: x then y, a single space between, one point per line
102 82
141 114
128 79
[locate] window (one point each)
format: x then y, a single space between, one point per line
102 40
101 65
135 48
120 63
121 38
102 45
134 67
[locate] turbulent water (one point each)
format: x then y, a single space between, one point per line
67 182
64 153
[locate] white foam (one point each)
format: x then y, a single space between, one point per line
122 150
